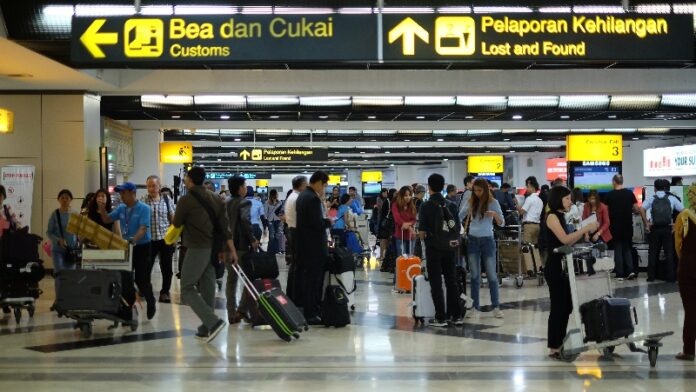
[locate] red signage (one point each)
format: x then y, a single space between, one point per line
555 168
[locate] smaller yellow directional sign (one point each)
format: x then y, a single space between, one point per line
257 154
244 155
92 38
408 29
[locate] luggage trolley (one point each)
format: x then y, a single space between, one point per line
99 259
509 238
362 224
585 288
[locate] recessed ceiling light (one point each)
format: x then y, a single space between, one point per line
565 117
323 117
362 152
446 159
406 140
469 117
307 165
636 138
488 150
506 140
373 140
237 140
371 117
272 140
420 117
219 160
538 140
224 117
387 152
517 117
512 150
392 165
440 140
612 116
345 160
176 117
337 152
274 117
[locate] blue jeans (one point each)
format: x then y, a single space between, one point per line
403 247
59 260
273 232
482 249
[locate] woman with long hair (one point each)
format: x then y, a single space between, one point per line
93 210
595 206
404 212
480 213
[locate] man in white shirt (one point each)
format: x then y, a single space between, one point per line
531 212
299 184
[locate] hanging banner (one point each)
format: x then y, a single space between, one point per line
19 185
670 161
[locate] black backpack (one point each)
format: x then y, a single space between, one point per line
661 211
334 308
446 237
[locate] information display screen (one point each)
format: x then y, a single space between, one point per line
598 178
493 178
372 188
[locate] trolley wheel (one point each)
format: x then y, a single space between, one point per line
31 310
18 314
519 282
296 335
86 329
652 355
608 351
134 325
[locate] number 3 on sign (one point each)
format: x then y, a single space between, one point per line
615 151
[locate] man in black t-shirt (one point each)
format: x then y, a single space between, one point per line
622 204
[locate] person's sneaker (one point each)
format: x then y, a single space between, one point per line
468 301
215 331
165 298
438 323
471 313
631 276
497 313
458 322
202 333
619 280
151 309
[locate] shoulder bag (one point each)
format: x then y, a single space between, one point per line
72 254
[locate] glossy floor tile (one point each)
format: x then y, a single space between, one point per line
382 350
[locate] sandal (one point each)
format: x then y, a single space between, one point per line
684 357
556 356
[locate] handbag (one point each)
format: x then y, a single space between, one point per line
72 254
173 234
260 265
386 225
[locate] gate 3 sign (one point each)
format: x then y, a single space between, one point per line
282 154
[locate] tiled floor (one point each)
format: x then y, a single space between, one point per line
381 350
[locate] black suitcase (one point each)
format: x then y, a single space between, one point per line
607 318
89 290
261 286
334 307
342 260
260 265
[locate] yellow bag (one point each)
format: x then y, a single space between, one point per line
173 234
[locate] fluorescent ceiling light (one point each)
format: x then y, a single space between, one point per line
371 117
587 130
552 131
491 10
148 101
517 117
634 102
355 10
274 117
451 132
555 10
175 117
257 10
227 100
565 117
429 101
355 132
333 101
378 101
207 132
598 9
272 100
225 117
301 11
454 10
301 131
323 117
273 132
157 10
406 10
204 10
58 11
483 132
514 131
487 102
415 132
104 10
533 101
679 100
684 8
653 8
379 132
236 132
583 102
653 130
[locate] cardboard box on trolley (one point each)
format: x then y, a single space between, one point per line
86 228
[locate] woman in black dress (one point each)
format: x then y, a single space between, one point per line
559 203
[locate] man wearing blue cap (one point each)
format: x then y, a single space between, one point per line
134 218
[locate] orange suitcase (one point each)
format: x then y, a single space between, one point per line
407 267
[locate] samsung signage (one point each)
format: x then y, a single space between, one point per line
670 161
202 39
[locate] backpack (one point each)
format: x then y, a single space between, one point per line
446 238
661 211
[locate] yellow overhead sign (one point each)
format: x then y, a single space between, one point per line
334 179
6 121
485 164
594 148
372 176
176 152
261 182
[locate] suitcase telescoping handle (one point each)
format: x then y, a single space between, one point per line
411 244
247 283
635 315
